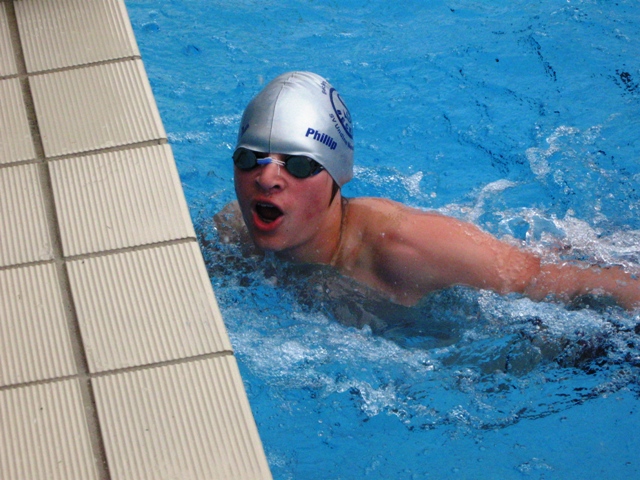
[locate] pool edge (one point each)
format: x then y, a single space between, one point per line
116 363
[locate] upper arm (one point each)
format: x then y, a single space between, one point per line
426 252
408 253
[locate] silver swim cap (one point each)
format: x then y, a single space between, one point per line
300 113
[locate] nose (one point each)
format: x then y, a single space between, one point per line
269 177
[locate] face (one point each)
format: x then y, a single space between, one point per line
285 214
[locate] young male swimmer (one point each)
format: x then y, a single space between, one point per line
295 151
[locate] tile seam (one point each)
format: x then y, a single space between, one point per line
87 153
24 80
149 366
165 363
35 263
60 261
54 229
38 345
135 248
90 413
20 163
37 73
44 381
116 148
13 34
86 380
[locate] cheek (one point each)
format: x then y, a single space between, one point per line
237 182
243 197
241 184
316 203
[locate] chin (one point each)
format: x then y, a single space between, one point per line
268 244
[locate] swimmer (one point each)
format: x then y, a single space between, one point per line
295 152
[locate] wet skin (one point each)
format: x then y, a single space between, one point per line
399 251
290 216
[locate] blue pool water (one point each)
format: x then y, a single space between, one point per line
522 117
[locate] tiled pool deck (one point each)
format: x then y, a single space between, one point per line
114 360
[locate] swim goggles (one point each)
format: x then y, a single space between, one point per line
299 166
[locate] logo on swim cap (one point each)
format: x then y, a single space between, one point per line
342 112
300 113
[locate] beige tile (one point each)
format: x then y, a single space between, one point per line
66 33
24 234
146 306
7 60
15 136
95 107
186 421
34 340
119 199
44 433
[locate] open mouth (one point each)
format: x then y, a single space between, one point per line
267 212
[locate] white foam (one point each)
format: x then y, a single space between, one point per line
555 238
189 137
562 140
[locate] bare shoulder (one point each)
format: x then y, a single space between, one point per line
380 241
375 204
378 212
393 219
408 252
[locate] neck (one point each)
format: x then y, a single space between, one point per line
324 247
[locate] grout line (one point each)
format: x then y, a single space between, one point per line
47 194
84 65
103 253
15 37
44 381
25 264
86 153
93 426
86 380
20 162
165 363
135 248
79 354
119 371
117 148
19 56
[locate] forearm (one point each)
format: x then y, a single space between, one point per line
567 282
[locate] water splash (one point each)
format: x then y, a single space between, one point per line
511 358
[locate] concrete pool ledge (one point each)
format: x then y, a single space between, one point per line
114 359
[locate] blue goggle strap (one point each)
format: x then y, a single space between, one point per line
268 160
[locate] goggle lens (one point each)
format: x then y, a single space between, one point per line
299 166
